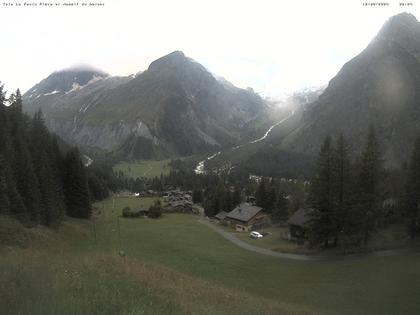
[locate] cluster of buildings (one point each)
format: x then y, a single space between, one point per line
246 217
179 201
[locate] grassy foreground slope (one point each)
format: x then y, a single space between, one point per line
174 265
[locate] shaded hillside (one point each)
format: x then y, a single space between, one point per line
380 86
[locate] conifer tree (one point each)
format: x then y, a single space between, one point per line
4 199
342 187
197 196
323 221
76 186
261 194
368 184
280 211
236 198
412 191
26 180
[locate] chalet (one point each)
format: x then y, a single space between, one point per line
299 223
221 216
245 217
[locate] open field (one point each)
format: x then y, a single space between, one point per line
144 168
276 242
174 265
391 237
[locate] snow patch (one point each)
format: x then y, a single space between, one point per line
76 86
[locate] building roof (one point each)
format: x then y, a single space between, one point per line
244 212
301 217
221 215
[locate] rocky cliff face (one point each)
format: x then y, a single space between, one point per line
175 107
380 86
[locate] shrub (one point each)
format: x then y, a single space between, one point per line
126 212
155 211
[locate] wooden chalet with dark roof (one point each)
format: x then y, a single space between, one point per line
246 217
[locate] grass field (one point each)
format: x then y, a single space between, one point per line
174 265
394 236
144 168
276 242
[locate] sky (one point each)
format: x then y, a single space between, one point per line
275 47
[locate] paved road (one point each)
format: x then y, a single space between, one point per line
232 238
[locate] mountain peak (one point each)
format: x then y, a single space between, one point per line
175 59
67 80
401 25
404 18
82 68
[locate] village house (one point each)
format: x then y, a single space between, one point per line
221 216
245 217
299 224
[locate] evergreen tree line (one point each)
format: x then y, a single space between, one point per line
280 199
38 183
346 195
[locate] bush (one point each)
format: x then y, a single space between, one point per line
126 212
155 211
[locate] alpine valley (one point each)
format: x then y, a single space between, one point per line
178 108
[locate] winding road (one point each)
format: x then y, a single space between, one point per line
232 238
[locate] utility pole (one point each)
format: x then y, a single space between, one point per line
94 228
119 234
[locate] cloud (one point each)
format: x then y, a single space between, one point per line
269 45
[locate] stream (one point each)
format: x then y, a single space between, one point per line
200 166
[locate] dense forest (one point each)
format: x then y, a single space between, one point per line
352 198
41 178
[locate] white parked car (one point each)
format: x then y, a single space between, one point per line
255 234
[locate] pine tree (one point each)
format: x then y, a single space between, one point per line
342 184
236 198
76 186
370 172
323 221
26 180
280 211
261 194
197 196
271 198
4 199
412 191
227 202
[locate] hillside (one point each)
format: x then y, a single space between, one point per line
175 107
380 86
189 269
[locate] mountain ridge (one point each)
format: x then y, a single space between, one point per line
379 87
175 107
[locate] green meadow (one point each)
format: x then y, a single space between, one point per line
175 265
